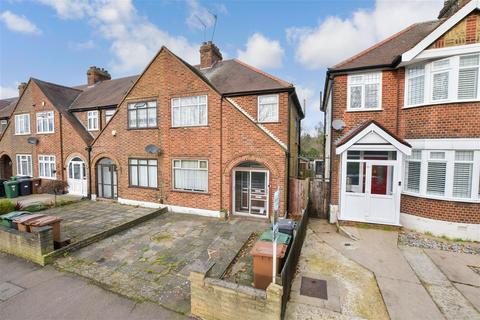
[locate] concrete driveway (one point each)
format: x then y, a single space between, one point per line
152 261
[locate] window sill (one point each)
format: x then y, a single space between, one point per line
148 128
139 187
191 127
45 132
268 122
436 103
90 130
22 134
47 178
364 110
408 193
188 191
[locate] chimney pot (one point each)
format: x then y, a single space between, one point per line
21 87
209 55
95 75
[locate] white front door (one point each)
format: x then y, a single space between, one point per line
369 191
77 178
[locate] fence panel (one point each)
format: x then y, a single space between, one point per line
319 190
298 197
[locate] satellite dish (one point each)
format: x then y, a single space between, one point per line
32 140
338 125
151 148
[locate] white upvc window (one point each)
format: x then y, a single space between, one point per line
190 111
45 122
454 79
24 165
190 175
142 115
364 92
3 125
46 167
268 108
92 120
443 174
108 115
22 123
143 173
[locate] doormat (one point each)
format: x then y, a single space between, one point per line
315 288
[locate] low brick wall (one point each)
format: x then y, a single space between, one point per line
221 300
31 246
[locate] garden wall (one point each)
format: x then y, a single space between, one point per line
30 246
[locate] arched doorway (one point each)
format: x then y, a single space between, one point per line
250 189
5 167
77 177
106 179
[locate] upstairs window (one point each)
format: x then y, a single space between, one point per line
92 120
3 125
45 122
22 123
268 108
454 79
108 115
189 111
364 92
142 115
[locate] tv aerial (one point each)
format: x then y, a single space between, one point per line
206 24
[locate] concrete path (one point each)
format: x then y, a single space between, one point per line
449 299
377 250
28 291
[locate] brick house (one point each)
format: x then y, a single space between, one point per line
218 137
403 134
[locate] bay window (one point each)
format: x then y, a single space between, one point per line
22 123
364 92
142 115
268 108
143 173
92 120
45 122
46 167
190 111
190 175
443 174
24 165
454 79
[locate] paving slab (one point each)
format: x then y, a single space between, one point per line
471 293
9 290
456 266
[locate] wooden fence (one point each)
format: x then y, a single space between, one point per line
298 196
319 195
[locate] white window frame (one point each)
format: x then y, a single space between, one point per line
449 176
3 125
362 84
179 100
174 167
19 121
453 69
24 157
133 107
413 160
108 115
93 116
43 119
45 162
259 105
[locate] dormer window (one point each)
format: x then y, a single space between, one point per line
364 92
454 79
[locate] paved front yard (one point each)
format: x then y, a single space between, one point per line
152 261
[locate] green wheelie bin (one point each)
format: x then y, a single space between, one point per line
7 219
11 188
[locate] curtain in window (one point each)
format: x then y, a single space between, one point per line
189 111
190 175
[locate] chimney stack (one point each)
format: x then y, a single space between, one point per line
21 87
209 55
450 7
95 75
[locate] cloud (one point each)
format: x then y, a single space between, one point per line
18 23
335 39
262 52
8 92
133 38
79 46
313 115
199 17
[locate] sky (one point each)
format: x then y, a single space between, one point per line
57 40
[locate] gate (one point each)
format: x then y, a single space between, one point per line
319 195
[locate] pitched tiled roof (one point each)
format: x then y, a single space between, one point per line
386 52
359 128
61 97
105 93
234 76
6 107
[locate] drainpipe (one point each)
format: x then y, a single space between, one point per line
221 154
89 160
61 146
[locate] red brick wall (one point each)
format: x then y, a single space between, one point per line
82 117
451 211
222 143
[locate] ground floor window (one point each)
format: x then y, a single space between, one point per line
24 164
190 175
444 174
143 173
46 167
